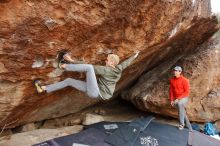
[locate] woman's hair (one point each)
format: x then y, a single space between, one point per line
114 58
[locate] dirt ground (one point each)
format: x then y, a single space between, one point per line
115 110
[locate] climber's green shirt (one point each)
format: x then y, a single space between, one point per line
109 77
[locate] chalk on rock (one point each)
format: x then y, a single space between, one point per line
50 23
38 62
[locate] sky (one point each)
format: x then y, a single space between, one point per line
215 4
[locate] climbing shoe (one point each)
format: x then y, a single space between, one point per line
60 58
38 86
61 63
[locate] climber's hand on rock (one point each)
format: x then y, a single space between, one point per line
136 53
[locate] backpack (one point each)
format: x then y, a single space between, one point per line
196 127
210 129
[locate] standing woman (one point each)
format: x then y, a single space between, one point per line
179 96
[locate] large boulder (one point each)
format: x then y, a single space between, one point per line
32 32
201 67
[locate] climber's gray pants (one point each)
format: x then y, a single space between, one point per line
182 112
90 86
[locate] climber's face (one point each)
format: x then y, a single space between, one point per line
109 62
177 73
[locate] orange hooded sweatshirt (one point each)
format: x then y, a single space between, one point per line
179 88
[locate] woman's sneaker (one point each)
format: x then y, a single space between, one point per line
38 86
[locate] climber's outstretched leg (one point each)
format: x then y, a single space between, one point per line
90 86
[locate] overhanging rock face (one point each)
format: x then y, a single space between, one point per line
32 32
201 67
